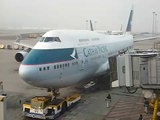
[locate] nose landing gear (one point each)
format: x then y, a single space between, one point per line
54 93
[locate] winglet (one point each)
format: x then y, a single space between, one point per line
129 24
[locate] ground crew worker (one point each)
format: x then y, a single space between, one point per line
20 102
108 99
146 105
140 117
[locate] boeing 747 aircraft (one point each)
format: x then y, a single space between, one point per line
63 58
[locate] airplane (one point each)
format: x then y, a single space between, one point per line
63 58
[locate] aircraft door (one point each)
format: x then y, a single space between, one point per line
64 70
81 62
61 71
144 73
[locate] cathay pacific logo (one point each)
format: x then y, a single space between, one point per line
74 54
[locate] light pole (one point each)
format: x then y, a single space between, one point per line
153 23
121 27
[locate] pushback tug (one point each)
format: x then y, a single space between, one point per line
45 107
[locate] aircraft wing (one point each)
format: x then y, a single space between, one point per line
25 42
143 39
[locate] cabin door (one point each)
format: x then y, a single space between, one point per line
81 61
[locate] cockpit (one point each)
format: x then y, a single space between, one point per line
50 39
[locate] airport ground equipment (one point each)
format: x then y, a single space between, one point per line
2 46
2 103
45 107
9 47
141 69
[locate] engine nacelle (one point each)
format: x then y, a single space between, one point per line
21 55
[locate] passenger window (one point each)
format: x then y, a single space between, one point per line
65 64
55 67
48 68
40 69
60 66
44 68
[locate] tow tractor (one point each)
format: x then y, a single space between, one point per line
45 107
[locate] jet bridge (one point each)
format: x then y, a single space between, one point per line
141 69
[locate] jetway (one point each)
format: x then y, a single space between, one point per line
139 69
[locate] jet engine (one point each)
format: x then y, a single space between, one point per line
21 55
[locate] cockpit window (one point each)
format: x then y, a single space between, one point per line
50 39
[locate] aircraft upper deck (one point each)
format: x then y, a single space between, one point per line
73 38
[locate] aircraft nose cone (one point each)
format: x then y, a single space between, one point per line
27 73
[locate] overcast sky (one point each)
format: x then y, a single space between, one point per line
72 14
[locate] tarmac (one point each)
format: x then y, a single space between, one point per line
124 106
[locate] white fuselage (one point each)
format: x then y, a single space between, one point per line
72 56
